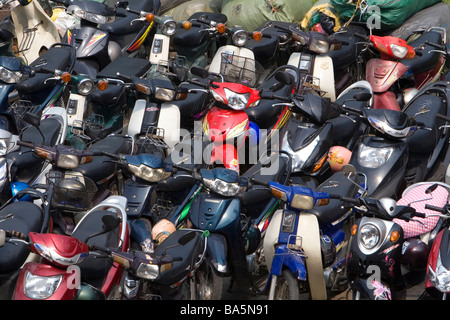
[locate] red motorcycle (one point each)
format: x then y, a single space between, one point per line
69 269
403 69
239 112
437 283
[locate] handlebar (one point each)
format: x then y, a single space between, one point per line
437 46
25 144
434 208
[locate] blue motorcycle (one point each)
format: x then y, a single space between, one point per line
306 241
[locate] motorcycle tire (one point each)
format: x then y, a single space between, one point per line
287 286
209 285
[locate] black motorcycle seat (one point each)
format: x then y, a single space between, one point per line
194 103
127 66
423 140
96 265
190 38
177 182
349 49
102 167
338 184
28 217
189 254
56 58
24 157
258 193
428 60
102 100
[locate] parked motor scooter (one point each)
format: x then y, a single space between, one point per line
407 147
307 241
380 247
94 277
403 68
101 38
34 30
18 164
23 217
236 214
436 282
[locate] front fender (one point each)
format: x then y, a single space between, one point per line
216 250
295 261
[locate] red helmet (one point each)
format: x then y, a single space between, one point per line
338 157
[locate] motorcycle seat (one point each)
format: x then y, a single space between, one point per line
28 217
96 265
102 167
348 52
194 103
338 184
56 58
24 157
188 253
428 60
423 140
127 66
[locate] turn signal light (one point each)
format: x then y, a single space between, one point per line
354 229
221 28
187 25
256 35
395 235
149 17
102 85
66 77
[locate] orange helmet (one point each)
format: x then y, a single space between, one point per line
162 229
338 157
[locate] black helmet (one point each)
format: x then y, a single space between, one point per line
71 193
415 254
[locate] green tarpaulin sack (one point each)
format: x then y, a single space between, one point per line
250 14
380 14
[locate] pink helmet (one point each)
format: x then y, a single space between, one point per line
161 230
338 157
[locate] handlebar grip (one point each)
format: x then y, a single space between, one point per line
109 154
419 214
441 116
437 46
25 144
260 182
434 208
350 200
15 234
361 36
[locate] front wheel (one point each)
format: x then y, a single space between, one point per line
286 286
208 284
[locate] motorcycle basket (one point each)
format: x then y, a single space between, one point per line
71 191
240 69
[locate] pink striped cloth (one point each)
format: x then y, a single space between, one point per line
440 197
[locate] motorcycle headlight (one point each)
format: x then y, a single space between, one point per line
373 157
85 87
88 16
68 161
9 76
236 101
223 188
39 287
399 52
149 174
169 28
147 271
319 45
240 38
300 156
164 94
369 236
441 277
